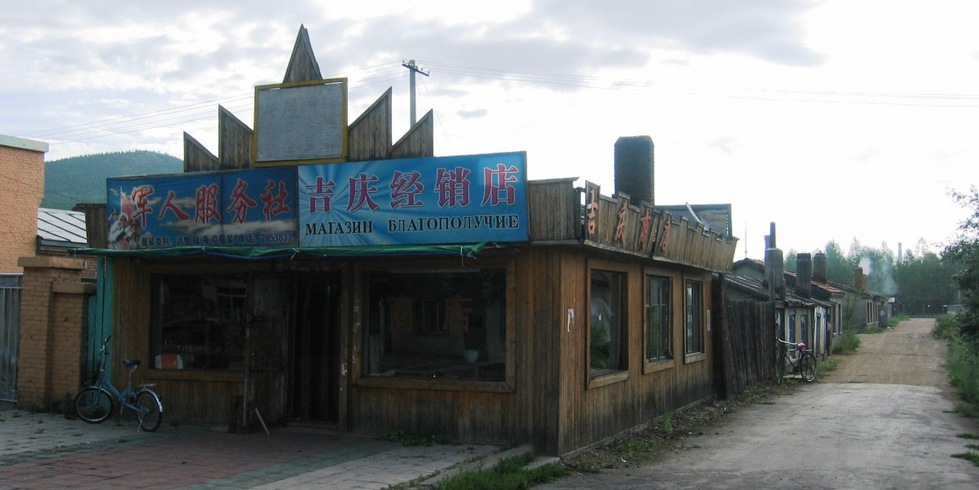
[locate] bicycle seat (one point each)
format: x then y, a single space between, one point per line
130 363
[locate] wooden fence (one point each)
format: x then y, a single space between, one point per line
747 345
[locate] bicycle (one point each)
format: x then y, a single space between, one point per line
804 365
96 403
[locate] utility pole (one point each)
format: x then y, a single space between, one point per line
413 68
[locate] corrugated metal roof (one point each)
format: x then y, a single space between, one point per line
60 227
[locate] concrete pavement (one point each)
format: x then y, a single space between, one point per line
44 450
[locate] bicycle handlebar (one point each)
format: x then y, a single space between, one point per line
797 345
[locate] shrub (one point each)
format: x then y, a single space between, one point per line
848 341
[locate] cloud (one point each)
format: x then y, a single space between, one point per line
765 29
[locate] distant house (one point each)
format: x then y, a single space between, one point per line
60 233
800 316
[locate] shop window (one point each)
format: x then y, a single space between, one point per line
198 322
657 319
694 321
607 352
437 324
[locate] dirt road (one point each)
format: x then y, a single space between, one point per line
883 419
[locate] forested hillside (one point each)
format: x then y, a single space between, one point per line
74 180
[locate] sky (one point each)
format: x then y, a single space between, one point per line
837 120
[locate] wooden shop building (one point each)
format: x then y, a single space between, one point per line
313 272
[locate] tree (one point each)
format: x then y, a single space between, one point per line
924 282
963 254
839 268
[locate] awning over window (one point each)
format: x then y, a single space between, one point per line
259 253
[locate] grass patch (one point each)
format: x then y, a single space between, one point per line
969 456
828 364
896 319
511 473
967 436
967 410
411 439
873 329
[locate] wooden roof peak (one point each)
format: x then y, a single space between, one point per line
302 64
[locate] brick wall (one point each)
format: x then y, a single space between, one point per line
21 191
53 330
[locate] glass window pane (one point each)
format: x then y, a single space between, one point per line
436 324
199 322
606 350
694 321
657 318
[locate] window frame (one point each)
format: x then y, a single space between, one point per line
360 378
595 380
651 365
701 318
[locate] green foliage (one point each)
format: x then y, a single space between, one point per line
964 254
81 179
828 364
961 361
896 319
926 282
511 473
945 327
848 341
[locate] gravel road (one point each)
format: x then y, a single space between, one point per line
882 419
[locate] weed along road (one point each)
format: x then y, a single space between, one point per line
883 419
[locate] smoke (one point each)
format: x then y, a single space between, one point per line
878 275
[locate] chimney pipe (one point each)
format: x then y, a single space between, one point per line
803 275
819 267
858 278
634 168
774 269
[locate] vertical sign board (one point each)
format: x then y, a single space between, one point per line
247 208
441 200
298 122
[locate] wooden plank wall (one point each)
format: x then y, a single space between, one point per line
234 142
554 210
418 141
748 345
187 396
592 414
196 157
369 137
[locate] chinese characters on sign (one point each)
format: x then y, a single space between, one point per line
414 201
244 208
411 201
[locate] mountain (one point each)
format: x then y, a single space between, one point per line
75 180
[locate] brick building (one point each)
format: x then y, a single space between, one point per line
21 191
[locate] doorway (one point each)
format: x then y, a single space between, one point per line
314 388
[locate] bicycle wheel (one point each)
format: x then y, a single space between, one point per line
149 411
807 366
94 405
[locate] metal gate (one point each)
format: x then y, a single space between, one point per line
10 290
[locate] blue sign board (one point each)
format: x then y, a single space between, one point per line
247 208
412 201
461 199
